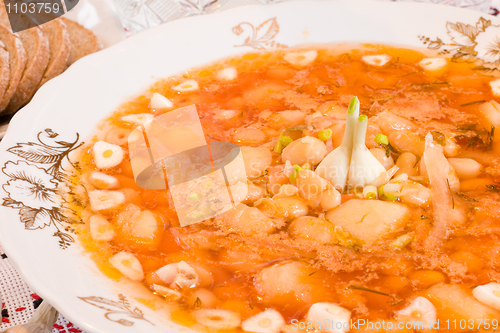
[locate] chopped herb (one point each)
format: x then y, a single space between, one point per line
387 98
401 301
451 193
312 273
388 149
345 56
472 103
481 138
370 291
266 172
423 217
439 138
425 84
212 138
467 127
418 160
197 302
466 197
493 188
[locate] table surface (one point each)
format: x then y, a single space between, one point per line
19 301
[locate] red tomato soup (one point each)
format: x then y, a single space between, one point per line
373 195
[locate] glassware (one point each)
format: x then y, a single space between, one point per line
479 5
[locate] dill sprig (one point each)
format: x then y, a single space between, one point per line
451 193
472 103
369 290
429 84
466 197
493 188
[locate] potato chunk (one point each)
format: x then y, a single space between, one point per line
285 281
247 220
369 220
454 302
140 230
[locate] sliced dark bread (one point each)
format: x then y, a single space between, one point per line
4 18
4 69
83 41
59 46
37 49
17 63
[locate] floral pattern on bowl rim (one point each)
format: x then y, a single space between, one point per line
31 166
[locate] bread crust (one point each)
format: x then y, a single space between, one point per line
38 54
4 69
83 41
60 48
17 63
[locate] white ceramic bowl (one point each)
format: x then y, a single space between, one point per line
44 131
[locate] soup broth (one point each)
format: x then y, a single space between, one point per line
410 242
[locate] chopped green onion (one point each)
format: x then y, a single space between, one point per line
324 135
362 117
370 192
293 176
278 148
194 196
383 139
285 140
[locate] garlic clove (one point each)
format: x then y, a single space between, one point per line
167 293
103 200
269 321
332 313
188 85
137 119
42 321
107 155
495 87
421 310
179 275
103 181
128 265
217 319
378 60
301 58
488 294
100 228
433 64
159 101
227 74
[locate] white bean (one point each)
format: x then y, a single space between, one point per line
407 163
381 156
466 168
305 150
330 199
